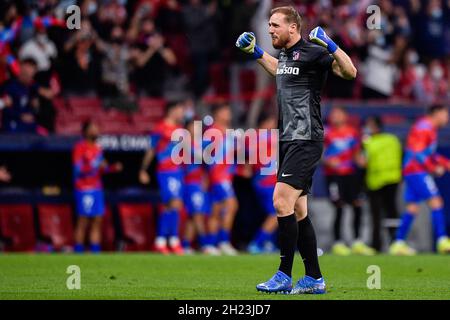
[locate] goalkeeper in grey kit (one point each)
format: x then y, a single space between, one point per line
300 70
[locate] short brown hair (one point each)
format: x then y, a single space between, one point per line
290 13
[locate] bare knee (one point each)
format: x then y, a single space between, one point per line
412 208
284 198
231 205
96 222
282 207
216 209
301 208
300 213
436 203
176 204
82 223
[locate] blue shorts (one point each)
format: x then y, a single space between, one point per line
419 187
90 203
221 192
265 198
170 186
195 199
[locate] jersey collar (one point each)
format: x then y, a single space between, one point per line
297 45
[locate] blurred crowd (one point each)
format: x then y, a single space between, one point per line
161 48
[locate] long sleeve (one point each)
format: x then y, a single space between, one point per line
422 146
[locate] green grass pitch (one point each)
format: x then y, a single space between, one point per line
150 276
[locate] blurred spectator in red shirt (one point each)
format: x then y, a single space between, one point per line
408 85
434 83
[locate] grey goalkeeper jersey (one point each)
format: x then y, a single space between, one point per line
301 74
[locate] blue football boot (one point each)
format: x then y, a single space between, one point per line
280 282
309 285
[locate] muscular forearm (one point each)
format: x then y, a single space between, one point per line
247 43
269 63
343 65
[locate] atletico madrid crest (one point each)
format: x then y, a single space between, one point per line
296 55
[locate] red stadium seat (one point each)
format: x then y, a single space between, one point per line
142 123
17 227
64 114
112 115
84 108
137 226
56 224
68 127
84 113
114 127
152 107
59 103
86 102
114 122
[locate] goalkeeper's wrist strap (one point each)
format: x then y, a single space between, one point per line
257 52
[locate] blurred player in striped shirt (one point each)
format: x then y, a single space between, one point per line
169 176
88 167
421 163
342 147
221 173
264 185
196 197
